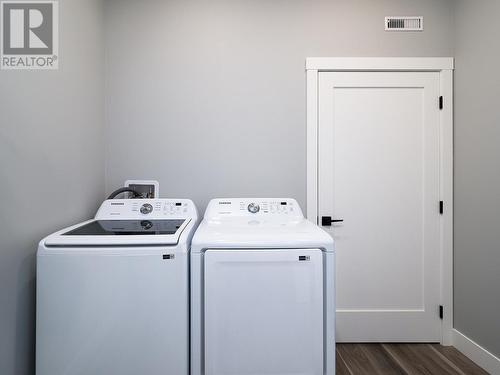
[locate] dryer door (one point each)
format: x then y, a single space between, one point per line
263 312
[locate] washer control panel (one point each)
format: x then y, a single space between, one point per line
253 207
130 209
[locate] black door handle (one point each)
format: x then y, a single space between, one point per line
326 221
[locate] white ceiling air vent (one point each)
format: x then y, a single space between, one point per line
404 23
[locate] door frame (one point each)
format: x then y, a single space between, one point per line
444 66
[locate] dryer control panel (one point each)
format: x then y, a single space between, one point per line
253 207
131 209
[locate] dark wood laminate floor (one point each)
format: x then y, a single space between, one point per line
404 359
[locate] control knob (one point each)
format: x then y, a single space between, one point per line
146 209
253 208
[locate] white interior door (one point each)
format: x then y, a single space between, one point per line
379 172
263 312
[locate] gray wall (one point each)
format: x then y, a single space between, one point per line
477 173
208 97
51 166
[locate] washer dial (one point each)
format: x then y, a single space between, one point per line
253 208
146 209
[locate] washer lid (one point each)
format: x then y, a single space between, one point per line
131 222
126 228
119 233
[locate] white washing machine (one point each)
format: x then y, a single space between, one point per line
262 291
113 292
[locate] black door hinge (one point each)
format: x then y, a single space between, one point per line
441 207
441 312
441 102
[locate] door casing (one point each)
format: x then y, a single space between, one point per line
444 66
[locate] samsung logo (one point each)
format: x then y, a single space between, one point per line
224 202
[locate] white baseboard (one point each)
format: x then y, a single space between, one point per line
476 353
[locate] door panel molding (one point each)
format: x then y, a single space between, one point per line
444 66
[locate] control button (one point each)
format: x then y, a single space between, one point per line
253 208
146 209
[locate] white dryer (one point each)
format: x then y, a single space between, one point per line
262 291
112 292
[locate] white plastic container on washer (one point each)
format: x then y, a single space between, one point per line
262 291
